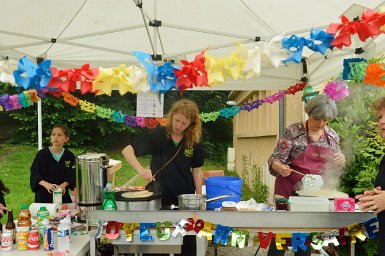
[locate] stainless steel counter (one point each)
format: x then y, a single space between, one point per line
261 221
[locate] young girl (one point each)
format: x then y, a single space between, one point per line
53 167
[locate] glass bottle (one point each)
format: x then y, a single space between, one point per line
10 226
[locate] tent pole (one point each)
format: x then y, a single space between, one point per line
39 126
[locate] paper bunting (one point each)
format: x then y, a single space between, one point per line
179 228
163 231
117 116
151 123
103 112
372 228
192 73
222 234
280 240
162 78
368 26
130 120
298 241
140 121
6 72
4 102
70 99
265 239
229 112
87 106
31 76
206 117
14 102
337 90
145 231
129 229
239 238
355 230
162 121
375 74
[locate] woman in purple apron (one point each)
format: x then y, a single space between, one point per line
305 148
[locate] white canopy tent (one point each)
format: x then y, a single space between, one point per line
103 33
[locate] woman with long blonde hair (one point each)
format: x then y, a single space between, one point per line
176 158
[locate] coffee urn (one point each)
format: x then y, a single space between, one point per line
91 178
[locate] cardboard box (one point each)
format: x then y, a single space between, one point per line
308 204
344 204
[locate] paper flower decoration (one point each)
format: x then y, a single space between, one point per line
110 78
337 90
6 72
319 42
218 68
162 78
272 53
252 64
375 74
31 76
368 26
66 79
138 78
192 73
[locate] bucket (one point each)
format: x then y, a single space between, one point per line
223 185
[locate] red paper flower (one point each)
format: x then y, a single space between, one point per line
368 26
66 79
192 73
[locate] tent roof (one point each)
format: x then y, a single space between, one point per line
103 33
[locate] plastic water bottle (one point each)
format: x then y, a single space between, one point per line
63 235
57 195
109 198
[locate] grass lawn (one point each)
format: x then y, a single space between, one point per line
15 162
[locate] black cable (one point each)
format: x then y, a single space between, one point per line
256 253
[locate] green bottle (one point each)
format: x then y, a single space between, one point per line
109 198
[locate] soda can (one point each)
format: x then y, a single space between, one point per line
48 238
22 241
6 241
33 240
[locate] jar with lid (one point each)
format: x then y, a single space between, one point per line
281 204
